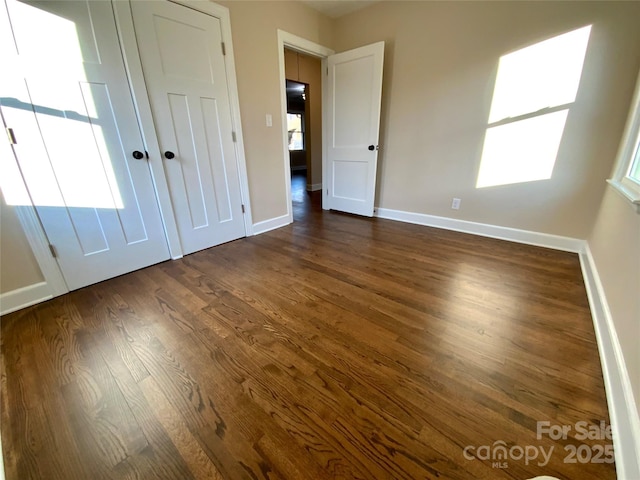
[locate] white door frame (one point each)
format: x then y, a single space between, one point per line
307 47
36 237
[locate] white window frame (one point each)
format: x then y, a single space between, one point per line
621 180
302 131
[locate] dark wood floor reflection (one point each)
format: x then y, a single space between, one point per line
303 201
338 347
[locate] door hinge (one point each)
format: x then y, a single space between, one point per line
243 208
54 252
12 136
224 49
233 136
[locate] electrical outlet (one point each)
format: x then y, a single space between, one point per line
455 204
269 120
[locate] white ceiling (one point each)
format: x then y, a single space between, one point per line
338 8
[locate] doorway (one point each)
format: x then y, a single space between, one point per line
300 145
351 98
304 126
303 62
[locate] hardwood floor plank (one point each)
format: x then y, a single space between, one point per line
161 458
40 412
230 373
58 327
200 465
338 347
8 448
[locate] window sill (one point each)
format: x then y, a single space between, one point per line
628 193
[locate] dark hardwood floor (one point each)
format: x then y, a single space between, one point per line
303 201
338 347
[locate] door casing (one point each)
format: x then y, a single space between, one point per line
307 47
302 45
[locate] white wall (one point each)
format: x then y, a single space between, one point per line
615 247
440 66
254 26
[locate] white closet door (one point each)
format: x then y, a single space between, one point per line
64 94
353 112
184 69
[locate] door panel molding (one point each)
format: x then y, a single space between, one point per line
352 107
189 96
222 13
124 22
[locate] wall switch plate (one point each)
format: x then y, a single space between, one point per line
269 120
455 204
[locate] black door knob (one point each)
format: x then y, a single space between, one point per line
169 155
138 155
372 147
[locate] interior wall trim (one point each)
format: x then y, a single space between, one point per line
557 242
623 412
24 297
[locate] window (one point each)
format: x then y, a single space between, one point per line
634 172
626 177
535 87
295 126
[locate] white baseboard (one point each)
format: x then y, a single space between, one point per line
24 297
271 224
313 187
623 413
556 242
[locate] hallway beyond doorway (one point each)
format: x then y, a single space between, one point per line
304 202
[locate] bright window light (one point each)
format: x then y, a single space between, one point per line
512 154
295 127
534 89
634 172
72 167
543 75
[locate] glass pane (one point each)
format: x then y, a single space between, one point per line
295 123
635 165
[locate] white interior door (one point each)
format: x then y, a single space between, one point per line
183 62
64 94
353 114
